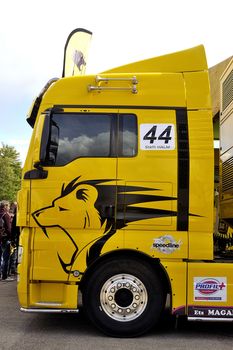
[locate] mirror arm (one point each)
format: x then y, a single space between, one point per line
38 165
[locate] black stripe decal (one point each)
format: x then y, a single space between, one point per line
183 170
119 107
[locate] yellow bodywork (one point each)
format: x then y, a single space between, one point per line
173 92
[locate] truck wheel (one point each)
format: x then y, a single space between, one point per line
123 297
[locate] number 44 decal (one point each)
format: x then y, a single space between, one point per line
159 137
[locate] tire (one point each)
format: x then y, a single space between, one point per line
123 297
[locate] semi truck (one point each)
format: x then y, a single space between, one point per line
116 207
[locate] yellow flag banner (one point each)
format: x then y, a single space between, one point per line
76 51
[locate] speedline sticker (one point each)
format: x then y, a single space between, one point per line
160 137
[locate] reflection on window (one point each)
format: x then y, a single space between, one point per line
127 143
91 135
82 136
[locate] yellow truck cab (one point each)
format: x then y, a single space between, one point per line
117 195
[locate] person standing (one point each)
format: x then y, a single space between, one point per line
5 239
14 240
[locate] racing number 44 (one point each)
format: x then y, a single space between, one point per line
157 136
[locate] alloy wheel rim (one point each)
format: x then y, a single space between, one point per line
123 297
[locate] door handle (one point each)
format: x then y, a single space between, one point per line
110 211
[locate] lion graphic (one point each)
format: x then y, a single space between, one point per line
91 205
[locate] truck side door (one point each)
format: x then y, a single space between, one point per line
74 205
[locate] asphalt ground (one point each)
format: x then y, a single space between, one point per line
21 331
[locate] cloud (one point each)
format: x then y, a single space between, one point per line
83 146
33 35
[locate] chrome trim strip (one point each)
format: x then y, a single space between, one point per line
34 310
220 319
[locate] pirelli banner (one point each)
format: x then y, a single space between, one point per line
76 51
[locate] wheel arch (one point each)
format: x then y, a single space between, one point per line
130 254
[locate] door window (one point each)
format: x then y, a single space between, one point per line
75 135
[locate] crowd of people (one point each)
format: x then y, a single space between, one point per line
9 239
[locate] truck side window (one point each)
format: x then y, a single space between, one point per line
91 135
127 143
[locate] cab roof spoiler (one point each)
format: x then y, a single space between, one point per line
36 105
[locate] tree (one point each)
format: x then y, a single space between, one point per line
10 172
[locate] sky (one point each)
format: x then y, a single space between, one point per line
33 34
